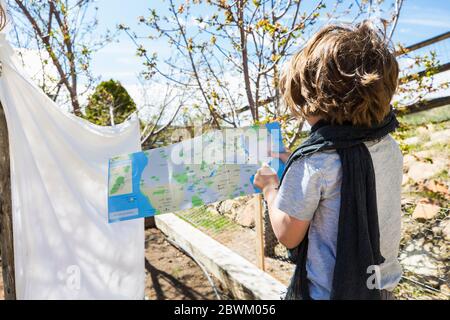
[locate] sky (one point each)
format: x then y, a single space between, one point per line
420 19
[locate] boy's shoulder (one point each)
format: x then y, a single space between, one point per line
387 156
386 148
319 160
323 165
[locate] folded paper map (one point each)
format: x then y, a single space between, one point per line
215 166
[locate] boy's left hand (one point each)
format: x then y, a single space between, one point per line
284 156
266 177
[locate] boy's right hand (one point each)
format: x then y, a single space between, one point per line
266 177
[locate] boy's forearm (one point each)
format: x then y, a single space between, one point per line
276 217
270 194
289 231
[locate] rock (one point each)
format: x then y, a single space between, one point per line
428 246
241 210
436 250
445 289
408 161
436 231
419 242
420 264
423 130
405 180
437 187
445 229
230 208
420 171
246 216
433 282
442 136
406 201
226 207
425 211
412 141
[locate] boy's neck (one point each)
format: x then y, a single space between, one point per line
312 120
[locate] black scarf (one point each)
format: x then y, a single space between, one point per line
358 240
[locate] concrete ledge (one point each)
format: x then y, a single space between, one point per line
242 278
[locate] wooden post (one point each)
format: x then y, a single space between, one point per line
260 232
6 227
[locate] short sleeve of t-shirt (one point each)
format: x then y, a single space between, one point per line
300 192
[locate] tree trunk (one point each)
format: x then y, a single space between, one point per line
6 227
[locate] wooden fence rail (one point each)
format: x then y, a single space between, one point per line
432 103
423 44
425 105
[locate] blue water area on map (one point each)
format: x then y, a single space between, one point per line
135 203
140 161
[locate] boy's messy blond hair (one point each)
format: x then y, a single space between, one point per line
344 74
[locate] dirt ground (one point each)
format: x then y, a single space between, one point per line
172 275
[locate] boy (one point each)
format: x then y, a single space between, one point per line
338 204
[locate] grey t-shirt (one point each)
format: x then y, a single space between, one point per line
311 191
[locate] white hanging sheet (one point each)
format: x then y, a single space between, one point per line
64 247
